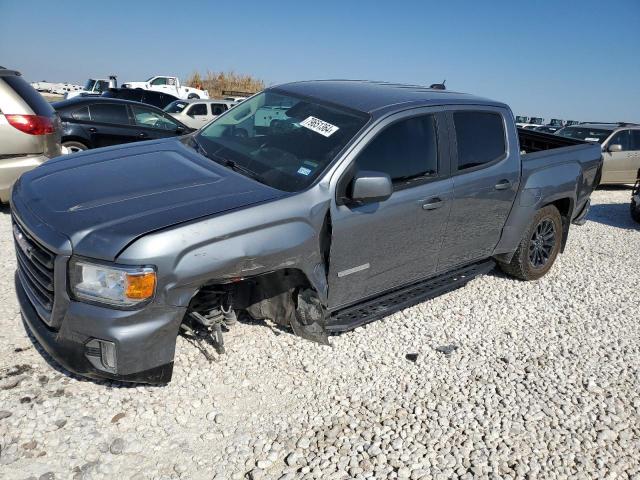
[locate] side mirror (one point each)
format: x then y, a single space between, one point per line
369 187
614 148
180 130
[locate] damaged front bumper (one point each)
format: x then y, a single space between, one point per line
143 340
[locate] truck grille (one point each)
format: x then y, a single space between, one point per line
35 269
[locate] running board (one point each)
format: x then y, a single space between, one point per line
403 297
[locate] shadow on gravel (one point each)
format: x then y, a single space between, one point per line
58 368
5 209
613 214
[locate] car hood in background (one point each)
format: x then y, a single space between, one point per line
104 199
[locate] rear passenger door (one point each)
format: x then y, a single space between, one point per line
382 245
109 124
485 174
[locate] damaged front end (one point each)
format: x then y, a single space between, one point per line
284 297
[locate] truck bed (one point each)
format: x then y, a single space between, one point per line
532 141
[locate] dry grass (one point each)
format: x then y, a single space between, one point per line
217 82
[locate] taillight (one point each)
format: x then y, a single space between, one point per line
32 124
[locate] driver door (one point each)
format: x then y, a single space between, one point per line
378 246
619 166
152 125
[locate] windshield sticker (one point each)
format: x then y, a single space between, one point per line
304 171
591 139
309 163
319 126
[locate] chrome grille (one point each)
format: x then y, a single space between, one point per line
35 269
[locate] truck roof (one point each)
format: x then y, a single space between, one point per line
370 96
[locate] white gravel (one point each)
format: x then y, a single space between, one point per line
544 383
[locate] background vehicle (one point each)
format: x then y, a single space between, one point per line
546 129
171 85
531 123
92 87
196 113
91 122
635 199
235 99
620 146
29 130
366 198
157 99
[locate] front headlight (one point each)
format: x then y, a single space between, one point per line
119 286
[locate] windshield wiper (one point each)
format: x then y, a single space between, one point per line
199 147
236 167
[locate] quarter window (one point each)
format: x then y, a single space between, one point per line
109 113
81 114
218 108
405 150
480 138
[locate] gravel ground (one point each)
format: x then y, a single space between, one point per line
540 380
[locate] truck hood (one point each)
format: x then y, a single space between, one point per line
104 199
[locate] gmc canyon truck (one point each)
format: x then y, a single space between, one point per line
364 198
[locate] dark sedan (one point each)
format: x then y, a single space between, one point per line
92 122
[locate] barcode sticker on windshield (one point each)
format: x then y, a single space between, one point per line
319 126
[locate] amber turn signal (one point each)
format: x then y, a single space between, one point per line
140 286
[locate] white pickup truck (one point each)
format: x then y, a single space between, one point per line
171 85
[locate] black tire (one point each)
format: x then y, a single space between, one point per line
635 211
74 146
539 246
192 96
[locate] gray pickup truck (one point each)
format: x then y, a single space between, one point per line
360 199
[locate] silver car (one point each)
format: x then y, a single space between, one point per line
620 148
29 130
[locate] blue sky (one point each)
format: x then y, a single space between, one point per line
567 59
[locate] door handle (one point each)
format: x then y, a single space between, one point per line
93 129
503 185
432 204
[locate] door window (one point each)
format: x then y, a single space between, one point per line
109 113
159 81
480 138
198 109
145 117
635 140
218 108
406 150
623 138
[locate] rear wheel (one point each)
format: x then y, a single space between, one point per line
539 246
74 147
193 96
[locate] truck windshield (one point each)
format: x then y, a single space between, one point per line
176 106
89 85
280 140
584 133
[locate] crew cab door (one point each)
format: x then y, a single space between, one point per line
382 245
485 170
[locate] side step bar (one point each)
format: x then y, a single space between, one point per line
403 297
